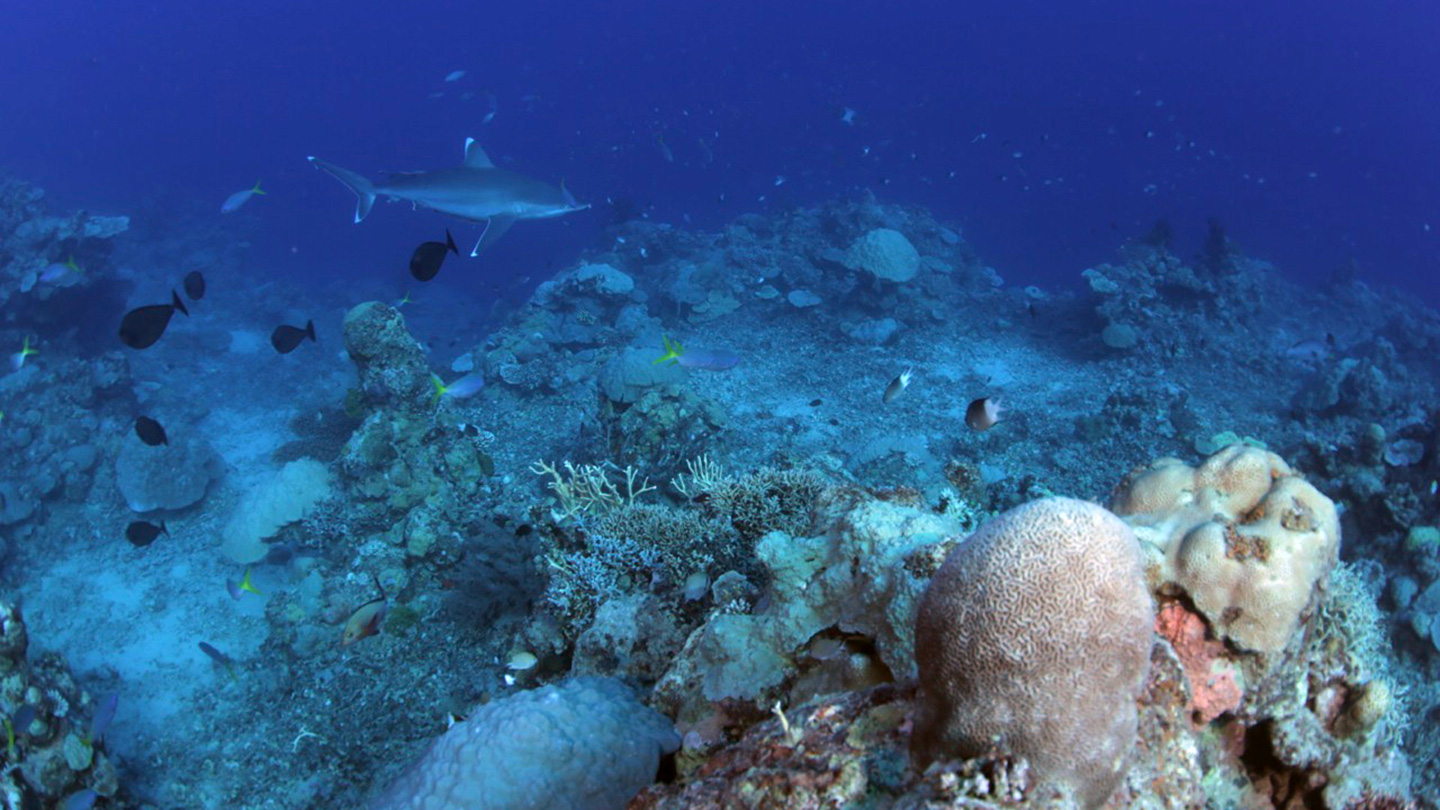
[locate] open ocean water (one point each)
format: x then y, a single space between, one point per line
914 405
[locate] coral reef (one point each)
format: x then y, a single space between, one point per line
54 730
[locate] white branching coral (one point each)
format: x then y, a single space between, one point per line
705 474
588 488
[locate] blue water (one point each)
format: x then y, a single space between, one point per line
1309 134
749 145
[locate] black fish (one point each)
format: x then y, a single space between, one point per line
426 260
142 533
150 431
195 285
142 326
215 655
286 338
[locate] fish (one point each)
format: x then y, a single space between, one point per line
848 118
18 723
454 75
284 553
194 285
286 338
150 431
664 149
67 271
898 385
366 619
142 327
23 717
463 388
104 713
219 657
521 660
705 359
82 799
696 586
983 413
142 533
426 260
17 360
1312 351
239 198
475 190
244 586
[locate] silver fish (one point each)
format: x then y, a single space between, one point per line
898 385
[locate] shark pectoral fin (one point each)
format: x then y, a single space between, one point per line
494 229
475 157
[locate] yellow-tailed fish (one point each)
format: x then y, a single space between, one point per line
17 360
239 198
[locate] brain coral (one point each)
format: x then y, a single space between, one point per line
1242 535
584 744
886 253
1034 639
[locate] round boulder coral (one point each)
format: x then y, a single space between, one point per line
885 253
582 744
1033 640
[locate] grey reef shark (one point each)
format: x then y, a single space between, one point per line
475 190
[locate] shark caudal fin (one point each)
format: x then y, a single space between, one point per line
362 187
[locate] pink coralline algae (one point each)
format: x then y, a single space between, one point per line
1214 689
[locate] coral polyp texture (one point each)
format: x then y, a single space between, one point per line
1034 639
584 744
1242 536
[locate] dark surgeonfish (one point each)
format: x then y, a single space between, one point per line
142 533
426 260
150 431
142 327
194 285
285 338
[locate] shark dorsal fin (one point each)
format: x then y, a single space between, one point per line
475 157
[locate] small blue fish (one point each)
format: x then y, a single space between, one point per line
103 715
62 273
23 717
239 198
79 800
463 388
17 360
706 359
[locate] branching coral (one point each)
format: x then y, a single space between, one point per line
705 475
588 489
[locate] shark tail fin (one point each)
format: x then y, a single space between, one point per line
362 187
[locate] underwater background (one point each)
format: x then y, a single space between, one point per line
915 405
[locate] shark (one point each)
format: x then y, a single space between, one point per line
475 190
